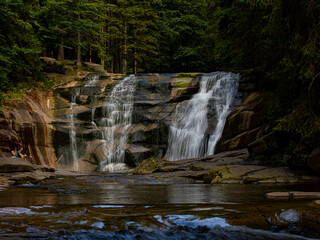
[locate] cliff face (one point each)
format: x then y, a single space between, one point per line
41 121
27 122
248 126
82 111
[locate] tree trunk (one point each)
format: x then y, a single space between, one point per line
45 50
61 52
125 49
103 44
134 55
79 48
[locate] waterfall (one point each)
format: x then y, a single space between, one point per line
94 103
72 132
92 80
189 136
117 119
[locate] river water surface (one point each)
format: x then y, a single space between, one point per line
97 207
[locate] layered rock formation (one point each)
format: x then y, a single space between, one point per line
27 123
248 126
42 121
155 99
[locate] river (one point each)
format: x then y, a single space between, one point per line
116 206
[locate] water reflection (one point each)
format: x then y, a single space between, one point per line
58 192
87 209
27 197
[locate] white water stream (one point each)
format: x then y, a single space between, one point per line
187 136
117 119
73 133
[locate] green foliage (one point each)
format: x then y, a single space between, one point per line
19 47
300 122
181 30
132 27
279 37
60 21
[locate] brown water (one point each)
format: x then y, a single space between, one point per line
95 207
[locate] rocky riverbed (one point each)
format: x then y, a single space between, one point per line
225 168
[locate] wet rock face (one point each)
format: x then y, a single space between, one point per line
244 123
55 127
28 124
81 107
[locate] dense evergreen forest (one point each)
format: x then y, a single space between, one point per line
280 39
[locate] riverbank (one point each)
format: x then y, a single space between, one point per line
225 168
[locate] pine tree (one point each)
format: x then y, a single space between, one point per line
19 47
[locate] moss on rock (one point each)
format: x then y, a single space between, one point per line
147 166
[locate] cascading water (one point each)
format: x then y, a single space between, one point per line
94 100
188 136
117 119
92 80
72 132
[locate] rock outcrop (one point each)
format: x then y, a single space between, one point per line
15 165
27 123
42 121
244 123
155 99
231 167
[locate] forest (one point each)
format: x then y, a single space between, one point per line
280 39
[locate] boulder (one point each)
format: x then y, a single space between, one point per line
244 122
15 165
147 166
94 66
316 203
253 174
240 141
48 60
184 86
271 175
220 174
91 76
263 144
314 160
96 152
138 152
